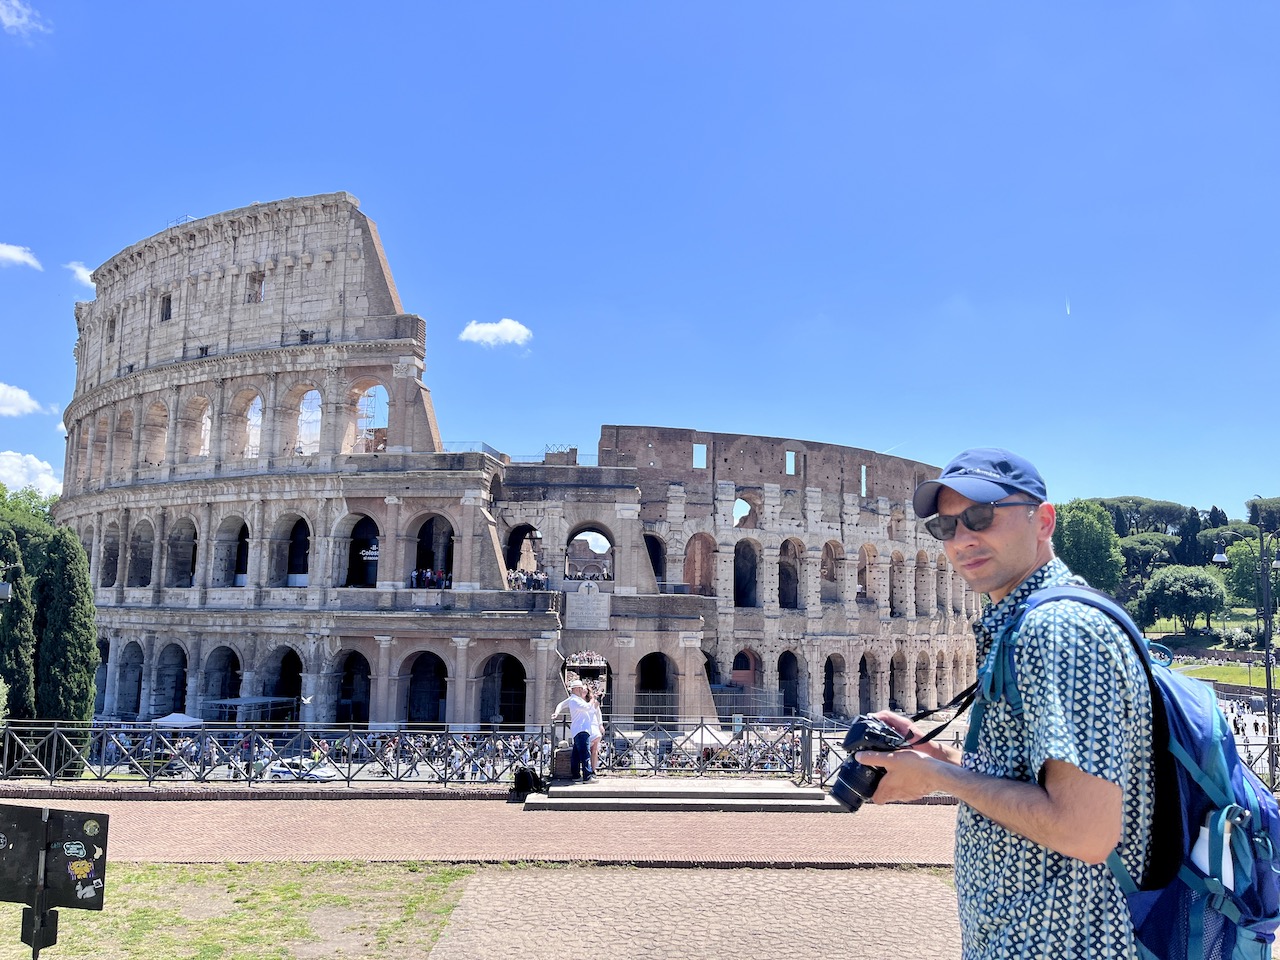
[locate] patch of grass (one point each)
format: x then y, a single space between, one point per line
268 911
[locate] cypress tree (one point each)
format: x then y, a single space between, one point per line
69 643
17 630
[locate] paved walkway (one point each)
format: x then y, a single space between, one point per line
603 906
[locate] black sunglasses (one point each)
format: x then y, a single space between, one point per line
976 518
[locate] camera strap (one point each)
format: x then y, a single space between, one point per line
960 702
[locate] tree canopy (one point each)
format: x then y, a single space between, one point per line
1085 539
1185 594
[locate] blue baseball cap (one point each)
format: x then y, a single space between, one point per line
983 475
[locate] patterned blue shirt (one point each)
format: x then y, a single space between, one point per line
1085 702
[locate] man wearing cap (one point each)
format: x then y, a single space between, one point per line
1050 790
581 715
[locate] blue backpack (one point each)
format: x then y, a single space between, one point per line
1212 886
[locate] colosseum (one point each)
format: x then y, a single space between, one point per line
276 530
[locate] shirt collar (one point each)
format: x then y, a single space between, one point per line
996 615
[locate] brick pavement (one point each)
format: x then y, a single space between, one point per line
669 910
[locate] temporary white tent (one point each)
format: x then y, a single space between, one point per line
176 720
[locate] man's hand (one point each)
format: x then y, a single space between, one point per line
909 774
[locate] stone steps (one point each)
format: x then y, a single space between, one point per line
684 795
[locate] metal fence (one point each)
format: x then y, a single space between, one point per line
250 754
789 747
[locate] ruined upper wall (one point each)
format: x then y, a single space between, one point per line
666 455
267 275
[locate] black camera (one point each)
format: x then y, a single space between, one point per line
854 781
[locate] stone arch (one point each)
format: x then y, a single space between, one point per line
280 674
361 535
129 681
289 553
700 565
368 418
110 562
657 550
98 458
867 557
301 421
433 555
230 554
831 572
746 510
195 429
657 689
503 683
169 688
183 550
589 553
353 689
748 669
141 554
243 427
942 680
746 574
426 699
789 684
122 445
524 549
833 687
222 677
495 489
155 433
789 559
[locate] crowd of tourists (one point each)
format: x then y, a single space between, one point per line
526 580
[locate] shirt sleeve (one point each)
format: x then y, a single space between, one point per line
561 707
1074 674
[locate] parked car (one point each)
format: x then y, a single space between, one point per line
301 768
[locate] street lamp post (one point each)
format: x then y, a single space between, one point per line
1265 541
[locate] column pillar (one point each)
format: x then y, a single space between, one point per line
380 709
114 647
307 708
459 684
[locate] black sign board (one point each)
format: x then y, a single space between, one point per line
51 858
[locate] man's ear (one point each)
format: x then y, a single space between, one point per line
1047 518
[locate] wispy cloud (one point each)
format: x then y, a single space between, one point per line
20 19
18 470
16 402
82 273
498 334
12 255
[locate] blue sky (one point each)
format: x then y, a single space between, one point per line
910 227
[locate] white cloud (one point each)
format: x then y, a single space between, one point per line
18 470
16 402
12 255
18 18
496 334
83 273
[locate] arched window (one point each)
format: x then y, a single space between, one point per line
230 554
789 576
433 558
362 558
831 572
589 555
122 445
700 565
353 690
155 430
141 554
369 432
109 565
243 426
746 562
656 695
182 554
502 691
309 422
428 690
194 429
657 551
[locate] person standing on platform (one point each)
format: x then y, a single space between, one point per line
581 716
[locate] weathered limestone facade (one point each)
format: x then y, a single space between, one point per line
274 527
